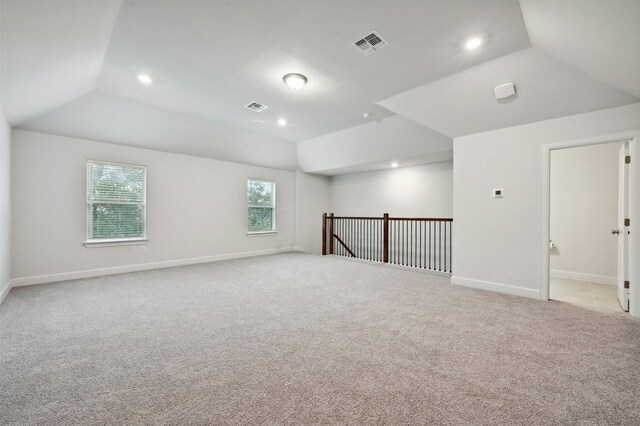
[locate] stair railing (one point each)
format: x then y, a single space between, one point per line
417 242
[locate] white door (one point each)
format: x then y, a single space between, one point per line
623 230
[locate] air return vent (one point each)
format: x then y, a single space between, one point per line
370 43
255 106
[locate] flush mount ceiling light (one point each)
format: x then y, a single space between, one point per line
144 79
295 81
282 122
394 164
473 43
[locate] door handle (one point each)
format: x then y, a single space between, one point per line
615 231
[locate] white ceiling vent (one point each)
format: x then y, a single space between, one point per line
370 43
255 106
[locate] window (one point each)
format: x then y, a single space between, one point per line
116 202
261 196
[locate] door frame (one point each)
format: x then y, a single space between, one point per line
633 136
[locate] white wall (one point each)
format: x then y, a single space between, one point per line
584 210
5 206
496 242
196 207
313 201
417 191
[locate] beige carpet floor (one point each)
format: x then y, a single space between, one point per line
301 339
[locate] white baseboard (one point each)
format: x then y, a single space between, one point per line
579 276
50 278
5 290
496 287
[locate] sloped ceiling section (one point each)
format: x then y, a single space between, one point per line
601 38
52 52
210 58
372 146
464 103
107 118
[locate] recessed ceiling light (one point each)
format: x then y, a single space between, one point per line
473 43
394 164
295 81
365 114
282 122
144 79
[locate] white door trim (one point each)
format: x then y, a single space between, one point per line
634 247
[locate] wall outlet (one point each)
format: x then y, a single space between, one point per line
498 193
143 248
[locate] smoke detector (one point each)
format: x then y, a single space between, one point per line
256 107
370 43
504 91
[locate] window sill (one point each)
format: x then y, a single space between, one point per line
111 242
261 233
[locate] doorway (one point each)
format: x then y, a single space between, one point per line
588 212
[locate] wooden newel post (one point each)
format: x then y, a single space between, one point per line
324 234
331 233
385 238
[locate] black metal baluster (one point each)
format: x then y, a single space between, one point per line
415 243
420 244
341 234
429 244
340 248
439 245
413 240
360 237
366 233
403 237
370 233
397 242
400 239
349 236
372 242
451 247
406 242
337 232
411 243
340 225
366 238
335 242
377 246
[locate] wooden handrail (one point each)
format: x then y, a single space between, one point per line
430 219
424 219
358 217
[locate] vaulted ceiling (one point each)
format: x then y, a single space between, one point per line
69 67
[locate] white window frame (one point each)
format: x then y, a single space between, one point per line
273 209
105 242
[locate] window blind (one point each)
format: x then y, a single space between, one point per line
115 201
261 196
